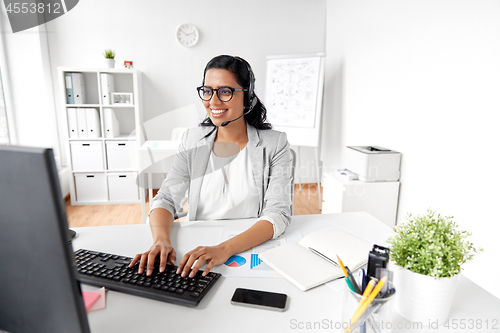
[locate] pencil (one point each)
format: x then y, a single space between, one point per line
342 266
367 291
359 312
347 280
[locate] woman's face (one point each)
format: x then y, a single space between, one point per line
218 111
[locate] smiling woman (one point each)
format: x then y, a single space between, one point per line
234 165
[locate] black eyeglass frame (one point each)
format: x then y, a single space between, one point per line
217 91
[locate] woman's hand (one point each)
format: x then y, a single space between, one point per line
213 255
163 248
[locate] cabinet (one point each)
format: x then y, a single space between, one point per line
379 199
103 136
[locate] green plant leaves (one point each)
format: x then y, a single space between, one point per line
109 54
431 244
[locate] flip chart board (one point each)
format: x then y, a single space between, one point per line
294 95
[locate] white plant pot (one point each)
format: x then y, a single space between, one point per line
424 299
110 63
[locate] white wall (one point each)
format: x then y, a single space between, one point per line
144 31
423 78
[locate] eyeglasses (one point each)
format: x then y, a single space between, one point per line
225 94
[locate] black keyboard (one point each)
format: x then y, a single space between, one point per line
112 271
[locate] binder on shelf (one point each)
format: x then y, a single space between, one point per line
81 119
93 123
72 123
107 87
111 124
78 88
70 98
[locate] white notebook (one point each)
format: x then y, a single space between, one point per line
306 269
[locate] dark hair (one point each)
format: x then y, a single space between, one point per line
244 75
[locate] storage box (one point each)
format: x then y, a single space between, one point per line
90 187
373 163
122 186
87 156
121 155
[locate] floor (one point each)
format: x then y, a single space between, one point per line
305 202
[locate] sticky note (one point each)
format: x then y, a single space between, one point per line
101 302
89 298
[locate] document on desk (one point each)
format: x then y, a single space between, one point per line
306 269
249 263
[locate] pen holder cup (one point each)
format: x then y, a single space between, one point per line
377 318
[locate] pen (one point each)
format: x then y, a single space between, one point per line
323 256
363 278
353 281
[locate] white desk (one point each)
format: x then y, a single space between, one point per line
155 156
125 313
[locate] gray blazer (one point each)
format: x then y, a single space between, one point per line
271 160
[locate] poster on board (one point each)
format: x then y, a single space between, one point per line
292 86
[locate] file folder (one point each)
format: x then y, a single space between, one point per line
70 98
107 87
93 123
78 88
111 124
81 119
72 123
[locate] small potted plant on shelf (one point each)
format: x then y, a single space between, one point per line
430 251
110 58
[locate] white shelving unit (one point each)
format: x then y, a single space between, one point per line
104 170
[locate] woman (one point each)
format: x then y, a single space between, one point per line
234 165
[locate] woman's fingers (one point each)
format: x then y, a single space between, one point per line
197 266
183 262
209 267
135 260
172 257
191 258
147 259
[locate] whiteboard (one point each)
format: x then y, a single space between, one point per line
294 95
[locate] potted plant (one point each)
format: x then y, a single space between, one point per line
430 251
110 58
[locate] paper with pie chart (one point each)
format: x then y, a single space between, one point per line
248 263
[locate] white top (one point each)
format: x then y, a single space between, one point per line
229 191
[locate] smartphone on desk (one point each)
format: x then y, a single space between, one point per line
259 299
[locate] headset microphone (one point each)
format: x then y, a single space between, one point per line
254 102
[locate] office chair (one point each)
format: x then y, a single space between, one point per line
294 160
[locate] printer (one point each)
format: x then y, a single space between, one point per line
372 164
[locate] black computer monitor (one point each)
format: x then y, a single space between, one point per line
38 287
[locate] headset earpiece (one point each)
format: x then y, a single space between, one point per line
252 103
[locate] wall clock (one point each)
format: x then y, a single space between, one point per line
187 34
